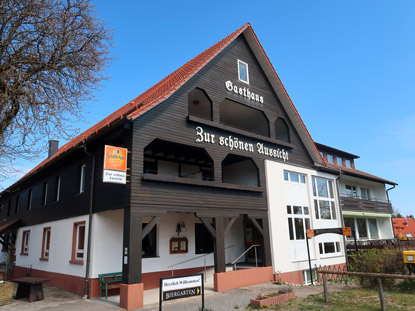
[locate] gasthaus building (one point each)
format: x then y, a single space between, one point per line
218 161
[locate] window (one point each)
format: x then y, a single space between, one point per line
82 179
307 276
45 244
29 200
348 163
78 243
324 204
294 177
25 243
203 240
149 246
178 245
373 228
57 188
361 227
339 161
16 209
329 248
45 193
9 207
243 74
349 222
351 191
298 221
330 158
365 193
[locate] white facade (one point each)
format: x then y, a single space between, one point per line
290 254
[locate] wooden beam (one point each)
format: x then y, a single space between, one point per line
229 224
220 265
211 230
132 248
149 226
255 222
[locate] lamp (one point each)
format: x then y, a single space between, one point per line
180 227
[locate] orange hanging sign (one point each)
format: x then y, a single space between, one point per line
347 231
310 233
115 158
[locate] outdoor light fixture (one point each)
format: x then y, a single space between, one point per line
180 227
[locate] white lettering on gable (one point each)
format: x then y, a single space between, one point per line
234 143
243 91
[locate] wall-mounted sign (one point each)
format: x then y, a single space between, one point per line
115 165
243 91
346 231
181 287
233 142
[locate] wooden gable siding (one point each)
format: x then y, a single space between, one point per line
71 202
168 121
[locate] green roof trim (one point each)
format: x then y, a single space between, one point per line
345 213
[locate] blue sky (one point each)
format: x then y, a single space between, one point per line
348 66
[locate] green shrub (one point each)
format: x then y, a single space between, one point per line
377 261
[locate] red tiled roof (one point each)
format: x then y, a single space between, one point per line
401 226
147 100
353 171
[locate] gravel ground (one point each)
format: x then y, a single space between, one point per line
59 300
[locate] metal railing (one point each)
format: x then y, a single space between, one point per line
194 258
256 257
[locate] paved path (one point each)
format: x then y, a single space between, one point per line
56 299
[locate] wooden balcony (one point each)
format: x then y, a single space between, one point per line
359 205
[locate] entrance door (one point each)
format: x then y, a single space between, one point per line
253 237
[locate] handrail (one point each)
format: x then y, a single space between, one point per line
256 260
194 258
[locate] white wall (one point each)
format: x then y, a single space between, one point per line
280 195
60 252
377 190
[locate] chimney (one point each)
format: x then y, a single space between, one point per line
53 148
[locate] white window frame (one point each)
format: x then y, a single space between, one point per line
302 179
337 249
303 216
29 202
82 180
247 72
45 193
330 199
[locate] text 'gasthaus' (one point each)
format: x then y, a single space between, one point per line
233 143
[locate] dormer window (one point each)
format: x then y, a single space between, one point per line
243 74
330 158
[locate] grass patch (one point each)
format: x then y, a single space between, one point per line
350 300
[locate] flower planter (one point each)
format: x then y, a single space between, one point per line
272 301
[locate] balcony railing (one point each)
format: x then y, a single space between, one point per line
358 204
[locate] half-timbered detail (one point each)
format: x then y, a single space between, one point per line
221 171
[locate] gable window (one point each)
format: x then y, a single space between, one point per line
45 244
243 74
82 179
57 188
45 193
78 243
324 204
25 243
298 221
29 200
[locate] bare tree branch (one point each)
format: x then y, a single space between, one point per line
53 54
